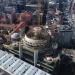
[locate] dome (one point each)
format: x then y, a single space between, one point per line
37 33
37 37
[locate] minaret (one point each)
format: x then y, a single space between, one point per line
38 12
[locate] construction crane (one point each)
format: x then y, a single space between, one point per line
15 27
24 17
